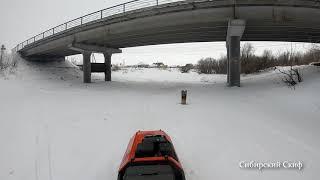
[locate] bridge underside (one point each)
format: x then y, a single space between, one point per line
206 21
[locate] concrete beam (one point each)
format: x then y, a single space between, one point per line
86 66
234 33
93 48
235 28
44 58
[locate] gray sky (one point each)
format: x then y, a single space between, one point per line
22 19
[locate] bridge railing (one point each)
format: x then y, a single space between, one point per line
107 12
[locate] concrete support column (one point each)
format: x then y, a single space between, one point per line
86 50
234 63
86 66
235 31
107 62
228 57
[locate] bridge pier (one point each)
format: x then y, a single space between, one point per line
234 64
87 50
228 77
107 63
235 31
86 66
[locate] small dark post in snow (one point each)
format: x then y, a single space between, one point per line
184 97
1 55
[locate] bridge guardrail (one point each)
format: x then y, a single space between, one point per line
107 12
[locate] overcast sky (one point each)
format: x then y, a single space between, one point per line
22 19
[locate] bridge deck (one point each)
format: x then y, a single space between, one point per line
187 21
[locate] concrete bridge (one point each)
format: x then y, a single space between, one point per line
150 22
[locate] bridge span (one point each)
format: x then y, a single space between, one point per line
151 22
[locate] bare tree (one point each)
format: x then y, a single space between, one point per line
247 51
206 66
211 66
247 58
251 63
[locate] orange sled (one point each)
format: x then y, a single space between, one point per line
150 155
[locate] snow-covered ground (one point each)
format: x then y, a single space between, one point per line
54 127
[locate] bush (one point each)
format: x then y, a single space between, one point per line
210 66
221 65
9 61
206 66
115 68
291 77
186 68
251 63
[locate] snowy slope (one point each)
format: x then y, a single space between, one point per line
53 127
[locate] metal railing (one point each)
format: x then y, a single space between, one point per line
107 12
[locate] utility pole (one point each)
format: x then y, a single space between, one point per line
2 55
